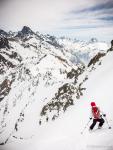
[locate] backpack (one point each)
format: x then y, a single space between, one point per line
96 112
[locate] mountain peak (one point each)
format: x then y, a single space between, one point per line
3 33
93 40
26 30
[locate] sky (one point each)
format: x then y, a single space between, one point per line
81 19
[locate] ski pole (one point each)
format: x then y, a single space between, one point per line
107 123
85 126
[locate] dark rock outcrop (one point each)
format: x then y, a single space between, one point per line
62 100
6 63
93 40
75 73
5 88
111 49
112 44
53 41
25 32
4 43
3 33
96 59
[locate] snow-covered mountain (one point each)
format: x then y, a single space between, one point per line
33 70
82 51
40 77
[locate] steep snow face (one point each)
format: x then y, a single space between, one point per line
65 132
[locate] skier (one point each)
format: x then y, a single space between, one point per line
96 115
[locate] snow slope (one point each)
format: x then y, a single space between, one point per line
32 74
65 132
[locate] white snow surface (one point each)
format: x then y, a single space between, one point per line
65 132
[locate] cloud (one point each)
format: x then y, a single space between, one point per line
39 14
58 16
2 3
105 5
107 18
97 15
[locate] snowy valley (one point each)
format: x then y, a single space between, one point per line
46 86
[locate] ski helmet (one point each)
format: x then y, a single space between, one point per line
93 104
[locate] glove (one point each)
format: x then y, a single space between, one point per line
104 115
90 118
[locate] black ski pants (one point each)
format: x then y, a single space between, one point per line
101 122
